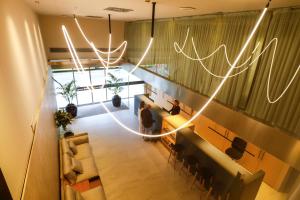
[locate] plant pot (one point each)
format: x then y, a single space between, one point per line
116 101
72 109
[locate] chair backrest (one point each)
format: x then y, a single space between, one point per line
239 144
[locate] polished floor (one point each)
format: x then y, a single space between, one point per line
132 169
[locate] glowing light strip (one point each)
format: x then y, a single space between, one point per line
87 40
209 100
269 78
144 55
211 73
270 71
109 52
73 53
176 47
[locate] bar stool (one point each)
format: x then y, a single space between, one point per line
205 177
190 162
218 190
175 152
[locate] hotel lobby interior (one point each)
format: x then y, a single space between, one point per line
150 100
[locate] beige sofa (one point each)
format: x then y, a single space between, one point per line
77 165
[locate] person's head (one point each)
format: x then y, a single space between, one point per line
148 106
142 104
176 102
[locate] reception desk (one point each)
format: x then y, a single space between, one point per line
157 113
239 182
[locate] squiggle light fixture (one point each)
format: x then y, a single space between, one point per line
275 40
179 49
111 52
208 101
123 44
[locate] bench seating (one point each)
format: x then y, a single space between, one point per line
77 165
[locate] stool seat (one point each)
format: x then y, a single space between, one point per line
191 160
176 152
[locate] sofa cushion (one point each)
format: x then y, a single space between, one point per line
73 147
77 166
70 193
79 139
83 151
96 193
89 170
65 147
79 196
68 172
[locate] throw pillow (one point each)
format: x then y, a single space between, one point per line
65 147
77 166
73 147
68 172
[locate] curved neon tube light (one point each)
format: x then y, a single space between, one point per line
87 40
176 47
208 101
109 52
74 55
275 40
144 55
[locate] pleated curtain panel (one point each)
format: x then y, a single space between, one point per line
246 92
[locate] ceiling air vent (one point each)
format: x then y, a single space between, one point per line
187 8
115 9
94 17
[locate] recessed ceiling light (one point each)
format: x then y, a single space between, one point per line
187 8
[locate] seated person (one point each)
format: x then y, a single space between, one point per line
175 109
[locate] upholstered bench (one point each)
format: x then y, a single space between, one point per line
78 166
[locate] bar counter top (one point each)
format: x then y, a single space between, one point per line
214 153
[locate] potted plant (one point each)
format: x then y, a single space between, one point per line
68 91
62 119
116 89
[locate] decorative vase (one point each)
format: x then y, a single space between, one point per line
116 101
72 109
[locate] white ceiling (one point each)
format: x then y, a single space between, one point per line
142 10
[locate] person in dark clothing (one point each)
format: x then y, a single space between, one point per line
175 109
147 120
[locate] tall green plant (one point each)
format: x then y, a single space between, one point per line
67 90
116 83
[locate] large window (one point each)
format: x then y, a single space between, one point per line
131 85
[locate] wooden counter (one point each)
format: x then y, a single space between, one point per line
157 113
238 181
170 123
214 153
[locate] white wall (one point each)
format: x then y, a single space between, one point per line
23 71
95 30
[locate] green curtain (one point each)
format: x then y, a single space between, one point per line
244 92
284 25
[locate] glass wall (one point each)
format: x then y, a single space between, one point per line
131 85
